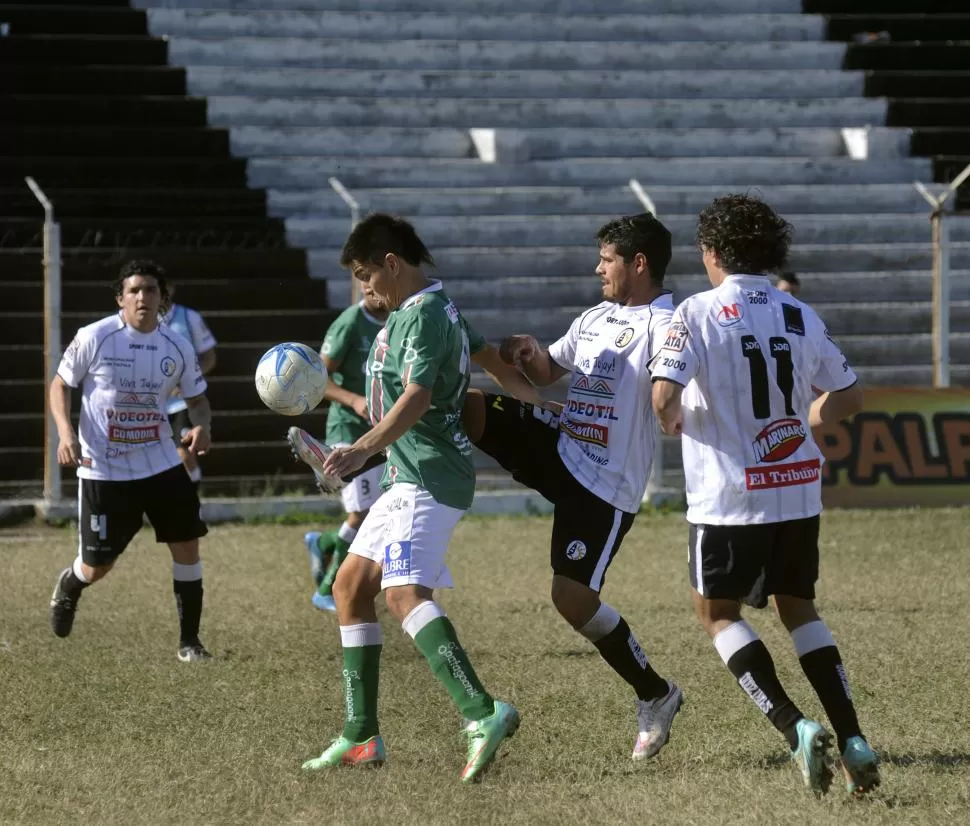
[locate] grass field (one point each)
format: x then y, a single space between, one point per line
107 727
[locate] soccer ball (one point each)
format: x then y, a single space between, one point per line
291 379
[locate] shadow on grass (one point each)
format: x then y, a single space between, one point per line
938 759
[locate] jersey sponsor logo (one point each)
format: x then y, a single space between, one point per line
778 440
730 314
138 401
594 434
168 366
452 312
756 296
624 338
575 550
611 320
149 347
676 337
794 323
397 559
783 476
592 386
133 435
73 347
599 411
597 365
134 416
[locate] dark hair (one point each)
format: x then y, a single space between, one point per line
745 234
377 235
789 278
642 233
141 266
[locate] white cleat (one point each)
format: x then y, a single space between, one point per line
314 453
655 718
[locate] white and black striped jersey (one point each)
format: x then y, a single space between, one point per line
126 379
607 428
749 356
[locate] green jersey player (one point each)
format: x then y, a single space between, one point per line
345 352
418 375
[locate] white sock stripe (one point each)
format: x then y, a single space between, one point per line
347 533
357 636
733 638
420 616
699 560
811 636
78 571
597 580
186 573
601 623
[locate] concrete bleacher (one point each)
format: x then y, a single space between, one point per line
693 98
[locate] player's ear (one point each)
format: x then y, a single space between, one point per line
392 263
640 262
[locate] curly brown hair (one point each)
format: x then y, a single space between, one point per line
745 234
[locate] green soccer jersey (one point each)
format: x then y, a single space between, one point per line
348 342
426 341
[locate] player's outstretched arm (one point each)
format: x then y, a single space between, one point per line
666 397
207 361
506 376
525 353
411 406
198 439
835 406
68 449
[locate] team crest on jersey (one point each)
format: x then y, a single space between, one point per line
730 314
168 366
778 440
452 312
624 338
794 323
676 339
575 550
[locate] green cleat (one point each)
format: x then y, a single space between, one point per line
860 766
811 756
344 752
484 738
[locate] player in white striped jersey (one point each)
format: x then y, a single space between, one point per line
592 461
735 377
127 366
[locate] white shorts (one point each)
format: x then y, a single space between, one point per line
363 491
407 533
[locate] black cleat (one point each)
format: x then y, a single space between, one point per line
63 607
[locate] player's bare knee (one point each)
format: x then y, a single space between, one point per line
473 414
92 573
185 553
358 582
794 611
574 601
714 614
403 599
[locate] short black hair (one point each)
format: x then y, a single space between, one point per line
380 233
643 233
789 278
141 266
745 234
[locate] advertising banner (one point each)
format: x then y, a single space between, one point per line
907 447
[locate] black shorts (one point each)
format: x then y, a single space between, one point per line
178 422
749 563
111 513
586 530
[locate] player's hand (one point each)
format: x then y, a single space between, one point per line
518 349
69 451
343 461
360 408
678 425
197 440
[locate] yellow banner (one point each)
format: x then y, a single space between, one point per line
907 447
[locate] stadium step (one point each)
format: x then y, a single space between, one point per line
418 111
94 80
202 294
727 172
118 110
535 83
543 231
547 143
53 18
591 201
136 142
950 56
206 173
327 51
930 28
103 263
40 50
145 203
451 25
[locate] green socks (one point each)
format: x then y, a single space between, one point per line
361 677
